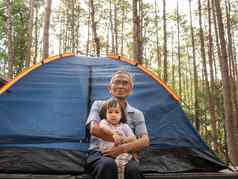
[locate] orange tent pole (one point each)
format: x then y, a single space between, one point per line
33 67
148 72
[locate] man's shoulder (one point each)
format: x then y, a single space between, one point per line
133 109
98 103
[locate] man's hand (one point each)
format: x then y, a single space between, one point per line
133 146
118 139
114 151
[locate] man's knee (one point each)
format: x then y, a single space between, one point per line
105 169
132 170
108 163
99 166
132 166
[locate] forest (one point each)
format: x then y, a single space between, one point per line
190 44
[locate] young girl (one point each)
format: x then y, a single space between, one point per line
114 122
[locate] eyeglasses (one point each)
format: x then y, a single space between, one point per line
120 82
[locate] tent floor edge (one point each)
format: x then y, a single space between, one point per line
199 175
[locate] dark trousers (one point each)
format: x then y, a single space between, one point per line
102 167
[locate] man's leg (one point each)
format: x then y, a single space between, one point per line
132 170
101 167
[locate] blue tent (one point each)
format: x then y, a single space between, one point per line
43 113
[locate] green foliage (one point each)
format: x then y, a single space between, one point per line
2 21
20 15
3 55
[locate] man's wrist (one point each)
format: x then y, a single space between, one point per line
125 148
93 127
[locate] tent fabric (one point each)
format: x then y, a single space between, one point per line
47 110
41 161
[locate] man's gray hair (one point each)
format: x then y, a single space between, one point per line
125 73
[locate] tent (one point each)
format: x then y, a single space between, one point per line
43 113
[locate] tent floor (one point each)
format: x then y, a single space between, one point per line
147 176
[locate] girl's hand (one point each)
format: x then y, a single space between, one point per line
118 139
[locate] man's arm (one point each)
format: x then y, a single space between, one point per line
129 134
97 131
93 122
129 139
134 146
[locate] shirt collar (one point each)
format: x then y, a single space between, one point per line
129 108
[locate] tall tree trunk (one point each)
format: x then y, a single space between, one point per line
190 67
36 34
46 29
115 27
67 33
229 38
107 42
230 119
122 30
9 39
232 66
94 28
63 33
186 80
211 105
77 30
88 35
158 55
141 27
72 26
173 64
235 57
29 34
203 56
61 21
165 42
216 36
179 60
212 97
111 25
218 48
136 32
195 75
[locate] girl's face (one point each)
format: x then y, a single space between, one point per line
113 115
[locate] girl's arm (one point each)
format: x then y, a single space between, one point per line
93 121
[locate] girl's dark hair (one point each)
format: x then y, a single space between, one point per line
109 104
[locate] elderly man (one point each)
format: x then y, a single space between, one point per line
101 165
